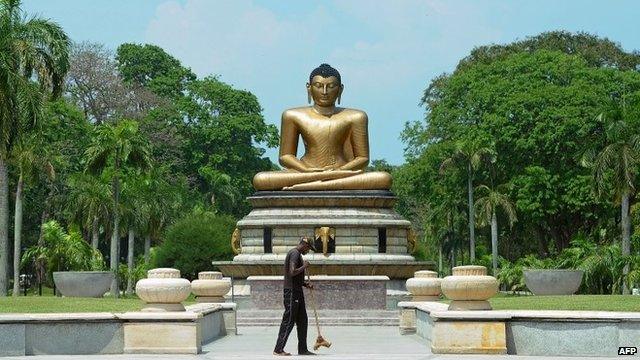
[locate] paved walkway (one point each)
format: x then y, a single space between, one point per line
349 343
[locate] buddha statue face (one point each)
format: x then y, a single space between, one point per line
324 86
324 91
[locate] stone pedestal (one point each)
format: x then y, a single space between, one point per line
469 287
210 287
163 290
330 292
424 286
359 231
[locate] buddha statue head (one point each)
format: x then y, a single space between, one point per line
324 86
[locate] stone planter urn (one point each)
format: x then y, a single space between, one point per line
469 288
163 290
553 281
210 287
83 283
424 286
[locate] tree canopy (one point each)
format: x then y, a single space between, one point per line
538 102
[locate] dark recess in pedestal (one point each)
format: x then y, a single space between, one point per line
382 240
266 240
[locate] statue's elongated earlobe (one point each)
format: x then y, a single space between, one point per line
308 98
339 96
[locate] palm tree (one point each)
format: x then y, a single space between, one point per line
617 166
29 157
471 154
90 203
135 215
161 201
487 207
31 48
114 148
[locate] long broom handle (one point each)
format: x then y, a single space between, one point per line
313 305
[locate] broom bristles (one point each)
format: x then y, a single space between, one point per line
320 341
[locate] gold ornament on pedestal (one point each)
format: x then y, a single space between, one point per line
235 241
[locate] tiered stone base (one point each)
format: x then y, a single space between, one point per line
368 236
363 221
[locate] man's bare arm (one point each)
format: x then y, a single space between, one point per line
292 268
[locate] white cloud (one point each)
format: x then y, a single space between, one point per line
386 50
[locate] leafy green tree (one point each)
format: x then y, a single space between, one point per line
191 243
150 66
89 201
471 154
537 101
617 166
165 201
208 131
487 207
596 51
116 148
223 127
32 48
95 85
62 135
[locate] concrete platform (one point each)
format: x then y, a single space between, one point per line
114 333
349 343
522 332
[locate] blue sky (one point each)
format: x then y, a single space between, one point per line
386 51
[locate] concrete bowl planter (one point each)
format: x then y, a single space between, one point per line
163 290
469 288
553 281
83 283
210 287
424 286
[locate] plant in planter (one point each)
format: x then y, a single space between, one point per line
70 262
551 276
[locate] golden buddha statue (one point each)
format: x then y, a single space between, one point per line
336 143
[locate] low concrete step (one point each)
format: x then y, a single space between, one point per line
326 317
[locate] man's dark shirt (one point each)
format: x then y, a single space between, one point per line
294 283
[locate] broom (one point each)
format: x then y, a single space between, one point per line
320 341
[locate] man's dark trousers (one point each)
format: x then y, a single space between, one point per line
295 313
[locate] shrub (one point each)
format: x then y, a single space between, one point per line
62 251
191 243
138 272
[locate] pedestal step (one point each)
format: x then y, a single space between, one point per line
326 317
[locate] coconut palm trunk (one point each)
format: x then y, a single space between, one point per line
4 226
472 216
494 242
115 237
626 235
95 234
130 245
147 248
17 236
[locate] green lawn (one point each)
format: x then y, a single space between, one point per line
574 302
52 304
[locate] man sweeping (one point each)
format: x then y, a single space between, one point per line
295 312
